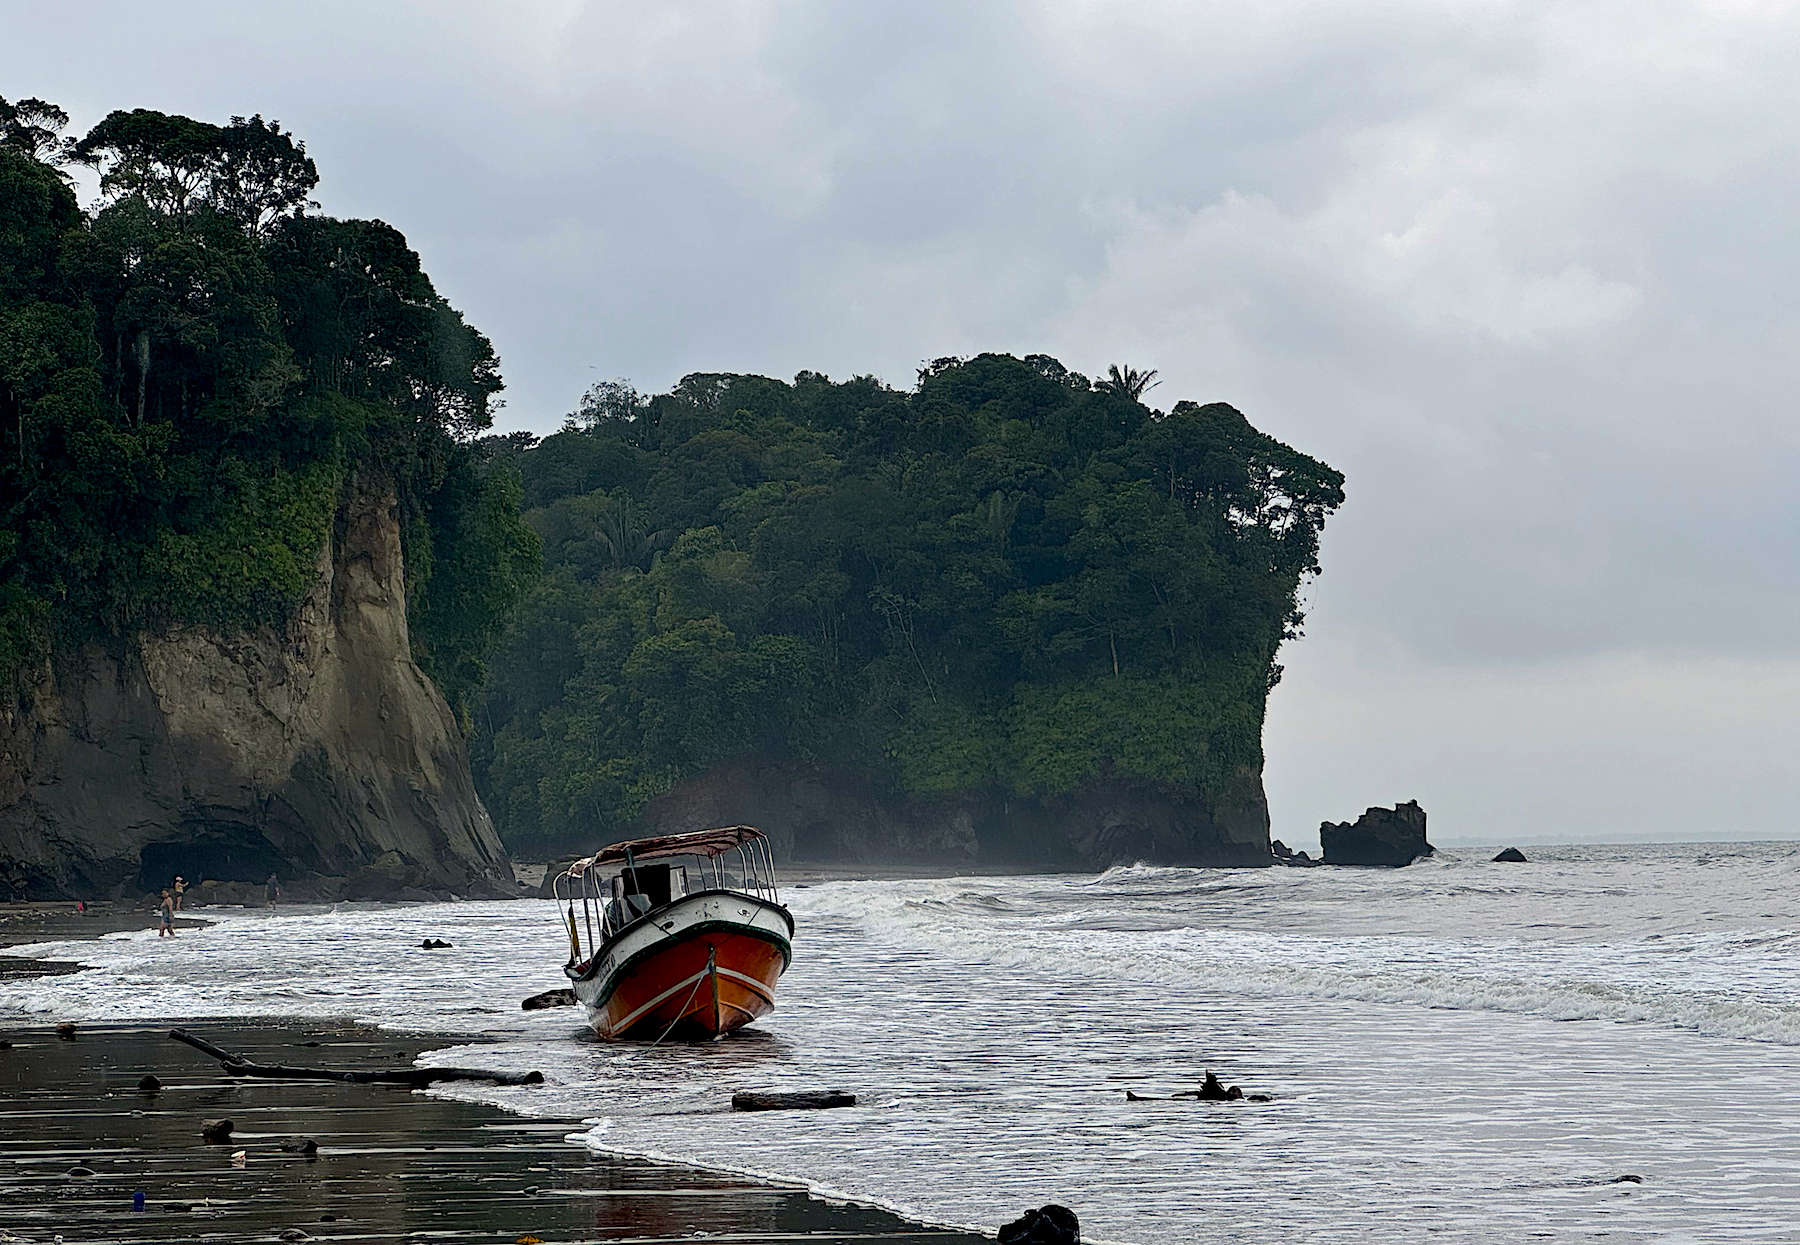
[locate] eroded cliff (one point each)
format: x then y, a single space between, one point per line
320 753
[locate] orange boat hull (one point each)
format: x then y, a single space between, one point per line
703 985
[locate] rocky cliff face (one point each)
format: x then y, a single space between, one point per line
321 753
820 816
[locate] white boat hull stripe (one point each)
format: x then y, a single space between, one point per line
673 990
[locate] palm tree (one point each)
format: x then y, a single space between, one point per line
624 530
1128 382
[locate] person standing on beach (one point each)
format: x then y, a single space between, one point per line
272 889
180 886
167 908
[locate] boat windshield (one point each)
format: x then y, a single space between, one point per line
611 896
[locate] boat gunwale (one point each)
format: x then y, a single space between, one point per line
592 967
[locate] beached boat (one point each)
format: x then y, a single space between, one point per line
682 935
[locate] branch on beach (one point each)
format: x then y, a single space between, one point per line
237 1065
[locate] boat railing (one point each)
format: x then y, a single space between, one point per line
606 907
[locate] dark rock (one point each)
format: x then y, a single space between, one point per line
817 1100
1511 856
1212 1091
1297 860
178 1208
549 998
1281 851
1048 1225
296 1234
301 1145
320 751
1627 1180
435 944
66 1031
5 1045
149 1085
217 1131
531 1188
1382 836
81 1171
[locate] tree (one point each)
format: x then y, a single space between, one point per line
608 402
1128 382
249 170
34 128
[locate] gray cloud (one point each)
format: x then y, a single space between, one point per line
1524 272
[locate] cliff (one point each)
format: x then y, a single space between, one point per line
868 620
822 816
320 753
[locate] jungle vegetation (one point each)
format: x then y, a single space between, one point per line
191 373
1010 577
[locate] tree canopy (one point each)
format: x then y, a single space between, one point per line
193 371
1010 577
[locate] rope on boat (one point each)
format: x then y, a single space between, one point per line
682 1011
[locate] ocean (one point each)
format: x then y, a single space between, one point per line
1455 1051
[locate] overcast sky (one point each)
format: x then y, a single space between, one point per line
1525 272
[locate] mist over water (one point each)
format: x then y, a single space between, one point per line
1458 1050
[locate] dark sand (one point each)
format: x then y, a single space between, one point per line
393 1165
22 923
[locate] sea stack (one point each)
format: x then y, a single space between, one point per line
1388 837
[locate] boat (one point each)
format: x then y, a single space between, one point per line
681 935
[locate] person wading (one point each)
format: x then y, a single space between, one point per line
167 908
180 886
272 889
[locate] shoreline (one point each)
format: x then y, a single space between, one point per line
392 1163
78 1140
22 924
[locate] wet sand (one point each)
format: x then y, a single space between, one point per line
392 1164
22 923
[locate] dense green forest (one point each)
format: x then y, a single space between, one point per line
1010 578
192 373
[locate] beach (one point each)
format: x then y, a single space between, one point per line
392 1164
1600 1042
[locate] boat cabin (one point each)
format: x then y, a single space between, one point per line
626 883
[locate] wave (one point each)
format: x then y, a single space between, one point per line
1733 984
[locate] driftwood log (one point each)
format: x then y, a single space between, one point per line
237 1065
549 998
814 1100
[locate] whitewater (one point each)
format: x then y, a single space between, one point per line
1456 1051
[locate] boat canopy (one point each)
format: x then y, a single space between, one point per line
698 843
